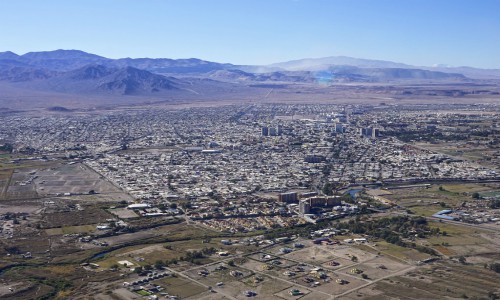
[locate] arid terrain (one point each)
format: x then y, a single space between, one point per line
187 179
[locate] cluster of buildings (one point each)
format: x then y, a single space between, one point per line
272 130
305 205
470 214
309 200
221 163
369 132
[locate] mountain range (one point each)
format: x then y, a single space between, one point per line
78 72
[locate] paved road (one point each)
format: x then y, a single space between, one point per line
404 271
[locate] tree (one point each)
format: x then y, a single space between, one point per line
7 147
159 264
327 189
12 249
462 259
138 270
476 195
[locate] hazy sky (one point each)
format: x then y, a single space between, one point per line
418 32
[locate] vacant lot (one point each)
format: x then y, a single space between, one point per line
315 254
330 286
421 196
89 215
123 213
401 253
265 289
435 282
181 287
75 179
21 185
378 268
71 229
463 240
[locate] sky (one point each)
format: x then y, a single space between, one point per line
416 32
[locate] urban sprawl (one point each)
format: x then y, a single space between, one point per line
281 165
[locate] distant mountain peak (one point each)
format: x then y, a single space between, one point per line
92 71
61 54
8 55
314 64
130 80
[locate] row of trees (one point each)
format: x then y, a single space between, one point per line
6 148
191 256
394 230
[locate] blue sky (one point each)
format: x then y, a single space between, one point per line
418 32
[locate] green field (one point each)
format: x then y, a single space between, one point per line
427 201
457 240
143 293
452 229
401 253
426 210
456 235
470 188
154 252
